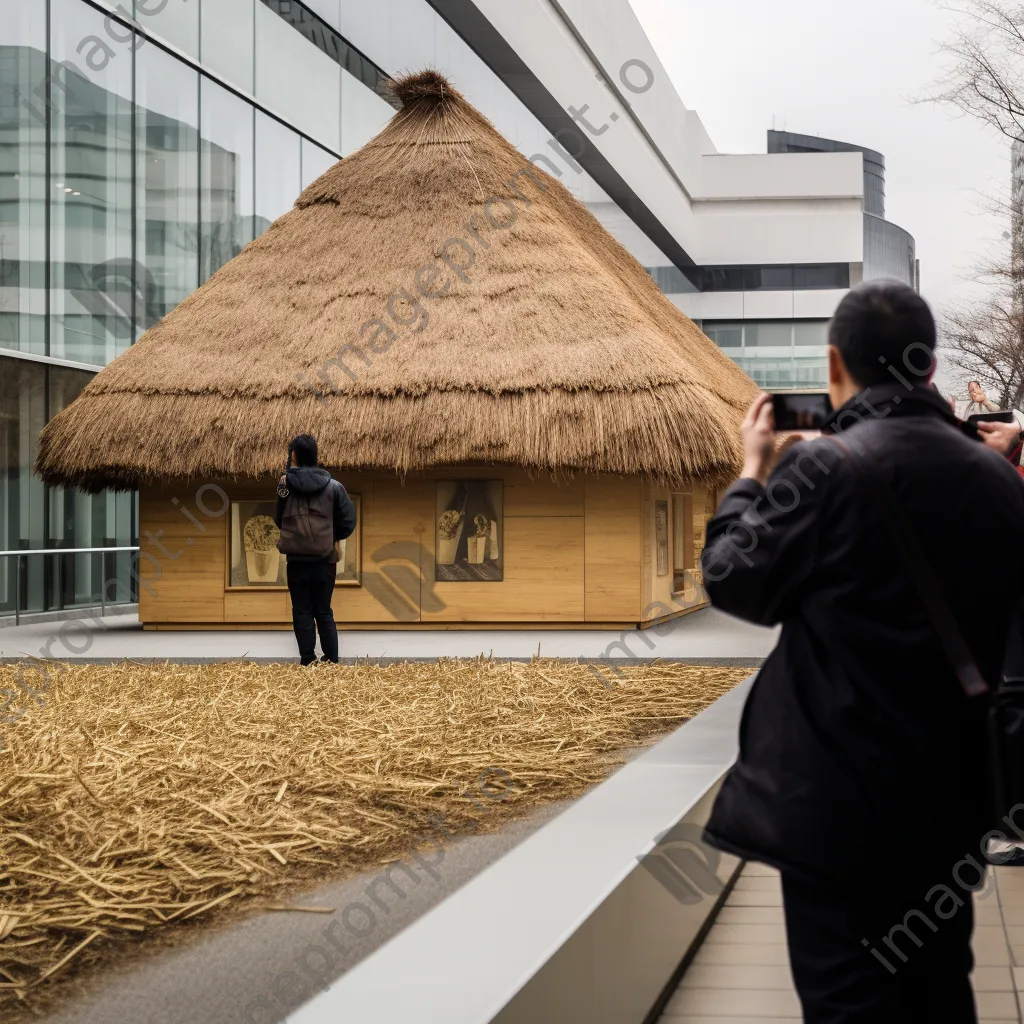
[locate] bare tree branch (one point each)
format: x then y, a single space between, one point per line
984 72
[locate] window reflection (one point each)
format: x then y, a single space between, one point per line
91 202
22 495
777 354
80 520
824 275
775 277
167 189
322 36
22 176
278 170
315 161
227 199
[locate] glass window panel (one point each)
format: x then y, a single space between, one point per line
92 274
363 113
298 81
811 372
226 177
725 335
177 21
822 275
315 161
22 494
309 20
722 279
811 332
79 520
671 280
770 373
768 279
278 170
167 109
23 189
774 335
227 40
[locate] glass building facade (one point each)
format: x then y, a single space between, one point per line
777 354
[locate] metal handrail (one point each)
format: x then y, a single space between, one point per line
56 551
64 551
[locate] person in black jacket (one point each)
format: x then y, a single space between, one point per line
311 578
863 766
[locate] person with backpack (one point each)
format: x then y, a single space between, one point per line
863 772
313 513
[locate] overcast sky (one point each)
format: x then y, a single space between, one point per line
807 66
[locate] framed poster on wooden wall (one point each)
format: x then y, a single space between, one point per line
254 561
468 540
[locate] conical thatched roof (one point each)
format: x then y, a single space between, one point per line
432 299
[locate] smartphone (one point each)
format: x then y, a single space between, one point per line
801 410
1003 416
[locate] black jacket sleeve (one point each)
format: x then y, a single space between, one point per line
344 513
761 545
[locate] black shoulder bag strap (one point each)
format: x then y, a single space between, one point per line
920 572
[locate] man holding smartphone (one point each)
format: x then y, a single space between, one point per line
863 766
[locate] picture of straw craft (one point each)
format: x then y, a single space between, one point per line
146 801
263 560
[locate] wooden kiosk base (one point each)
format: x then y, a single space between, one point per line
592 552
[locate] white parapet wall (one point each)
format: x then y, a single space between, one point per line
589 919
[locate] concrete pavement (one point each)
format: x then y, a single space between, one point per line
708 636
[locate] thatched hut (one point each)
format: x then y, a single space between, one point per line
532 430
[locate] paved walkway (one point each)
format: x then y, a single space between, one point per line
707 636
741 973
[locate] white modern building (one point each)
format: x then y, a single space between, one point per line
142 144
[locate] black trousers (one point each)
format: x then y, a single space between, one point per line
311 585
846 971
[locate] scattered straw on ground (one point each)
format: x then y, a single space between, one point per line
136 798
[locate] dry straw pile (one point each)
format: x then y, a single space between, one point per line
144 797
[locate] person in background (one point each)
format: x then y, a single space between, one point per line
977 402
863 766
313 513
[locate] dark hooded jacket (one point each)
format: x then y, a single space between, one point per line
312 480
858 748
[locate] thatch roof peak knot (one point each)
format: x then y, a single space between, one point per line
424 86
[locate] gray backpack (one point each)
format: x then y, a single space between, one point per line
307 525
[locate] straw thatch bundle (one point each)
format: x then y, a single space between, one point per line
433 299
143 800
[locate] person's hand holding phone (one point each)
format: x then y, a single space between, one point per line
759 440
1000 437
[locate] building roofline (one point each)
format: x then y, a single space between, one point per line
817 142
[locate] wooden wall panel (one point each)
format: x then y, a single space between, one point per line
265 606
181 560
614 548
542 496
544 547
544 577
396 519
517 600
